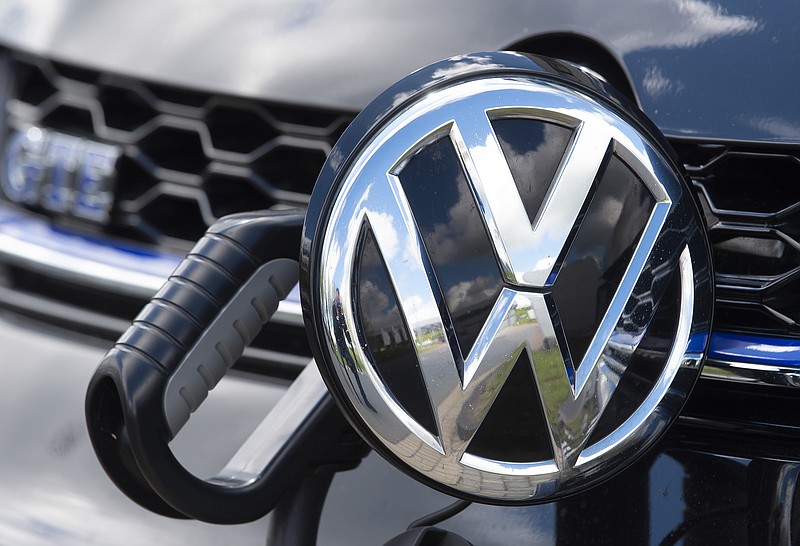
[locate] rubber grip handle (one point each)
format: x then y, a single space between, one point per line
224 340
178 347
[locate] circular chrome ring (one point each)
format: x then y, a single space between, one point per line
371 247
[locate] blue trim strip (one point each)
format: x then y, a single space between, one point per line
42 234
773 351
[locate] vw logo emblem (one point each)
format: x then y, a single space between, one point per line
508 280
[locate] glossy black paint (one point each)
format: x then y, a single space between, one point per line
707 482
690 493
725 70
533 150
382 314
717 87
515 425
647 362
598 256
452 230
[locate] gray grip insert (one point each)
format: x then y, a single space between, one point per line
224 341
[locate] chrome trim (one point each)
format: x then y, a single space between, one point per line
32 243
751 373
273 433
35 246
753 359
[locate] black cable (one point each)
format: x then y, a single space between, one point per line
440 515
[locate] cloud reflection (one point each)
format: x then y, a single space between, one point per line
774 126
462 296
657 84
692 22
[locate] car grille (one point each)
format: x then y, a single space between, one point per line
751 199
188 158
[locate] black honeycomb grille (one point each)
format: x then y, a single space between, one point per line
187 158
751 199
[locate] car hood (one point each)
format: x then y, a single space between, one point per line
699 69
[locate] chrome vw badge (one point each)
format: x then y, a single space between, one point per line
507 279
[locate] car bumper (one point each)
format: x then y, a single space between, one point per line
709 481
